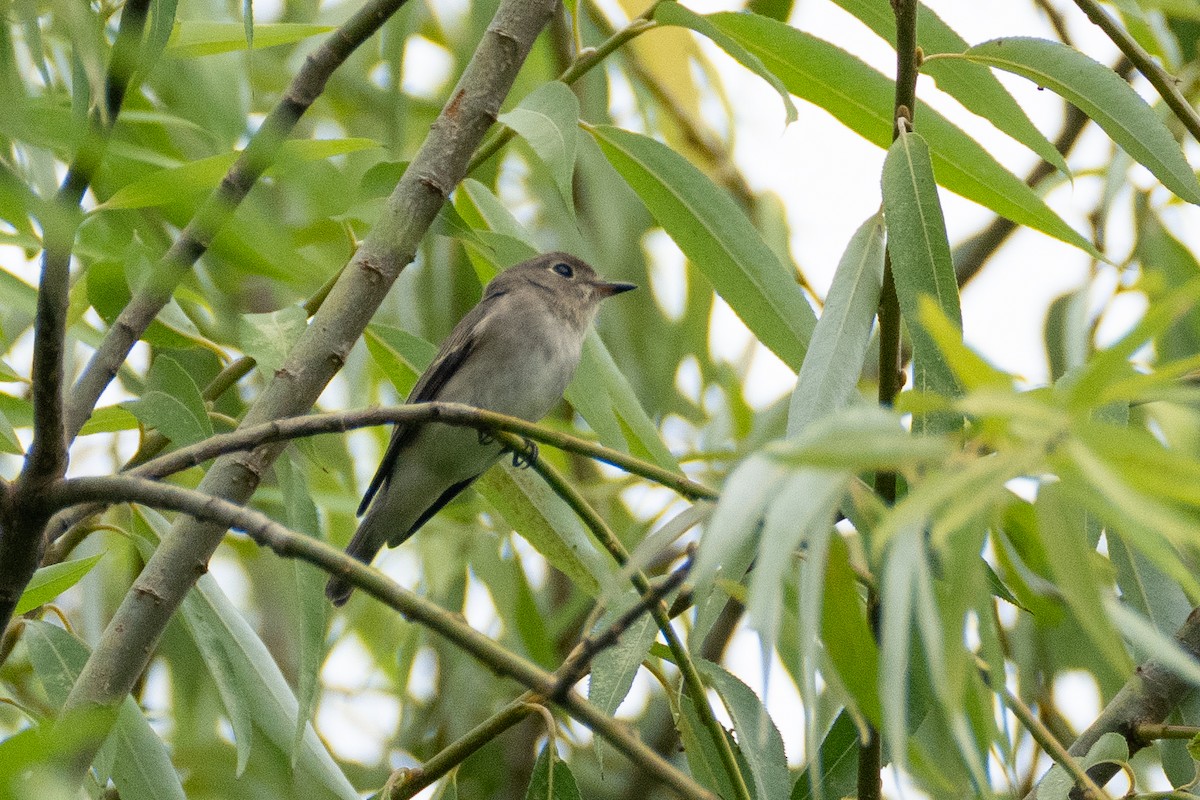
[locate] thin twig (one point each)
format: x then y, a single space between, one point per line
1164 83
289 544
692 681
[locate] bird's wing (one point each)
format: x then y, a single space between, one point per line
450 356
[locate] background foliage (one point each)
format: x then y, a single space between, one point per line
1038 531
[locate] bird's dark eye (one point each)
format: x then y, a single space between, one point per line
564 269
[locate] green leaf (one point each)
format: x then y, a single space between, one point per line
861 98
846 633
172 184
51 581
1101 94
839 342
268 337
132 754
9 443
677 14
544 520
172 403
970 84
717 238
920 255
255 694
312 611
1061 529
160 28
9 375
758 739
192 38
109 419
838 768
548 118
1160 647
551 779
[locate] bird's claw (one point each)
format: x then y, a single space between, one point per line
526 456
485 438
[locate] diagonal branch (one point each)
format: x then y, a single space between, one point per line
436 168
289 544
1149 696
192 243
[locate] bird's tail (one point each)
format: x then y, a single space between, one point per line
365 544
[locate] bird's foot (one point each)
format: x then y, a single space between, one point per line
526 455
486 438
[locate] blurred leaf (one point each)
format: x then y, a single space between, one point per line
846 633
861 98
970 84
921 263
717 238
1101 94
1162 648
196 177
1061 531
551 779
548 118
9 443
676 14
192 38
51 581
858 439
759 741
268 337
132 754
312 611
160 28
172 403
839 342
253 691
838 769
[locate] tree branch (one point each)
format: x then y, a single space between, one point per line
1162 82
20 527
289 544
1149 696
192 243
125 649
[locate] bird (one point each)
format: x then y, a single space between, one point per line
513 353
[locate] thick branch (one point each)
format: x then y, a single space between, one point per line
192 243
20 526
125 648
289 544
1149 696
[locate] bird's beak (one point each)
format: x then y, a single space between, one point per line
606 289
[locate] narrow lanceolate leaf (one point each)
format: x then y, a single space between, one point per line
861 98
172 184
920 253
677 14
1101 94
970 84
255 694
839 342
717 238
133 755
758 738
172 403
49 582
202 38
548 118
